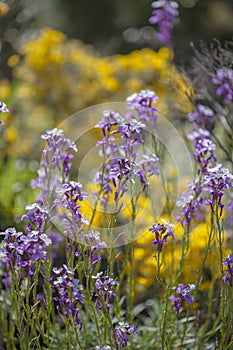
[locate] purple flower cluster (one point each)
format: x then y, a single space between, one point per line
55 164
229 271
182 294
94 245
123 164
213 179
69 196
24 250
142 103
149 164
162 232
20 250
216 181
201 116
36 216
110 118
191 202
123 170
165 15
204 148
69 293
104 290
122 333
224 78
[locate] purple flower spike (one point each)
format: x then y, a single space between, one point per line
183 294
122 333
204 148
191 202
142 103
55 162
165 15
229 271
202 115
21 250
69 198
104 289
69 293
216 181
125 167
94 245
224 78
162 232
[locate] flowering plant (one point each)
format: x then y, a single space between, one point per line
71 281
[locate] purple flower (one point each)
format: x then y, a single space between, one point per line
215 182
202 115
204 148
121 168
110 118
191 202
20 250
122 333
3 107
103 179
121 172
69 293
165 15
69 196
7 281
149 164
37 215
224 78
182 294
142 103
229 271
107 146
124 164
162 232
55 236
55 164
104 289
213 179
12 251
93 241
94 244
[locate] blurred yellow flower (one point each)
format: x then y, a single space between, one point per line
4 8
63 76
13 60
5 89
10 133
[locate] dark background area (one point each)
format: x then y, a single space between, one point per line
114 26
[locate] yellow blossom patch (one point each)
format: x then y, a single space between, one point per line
4 8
